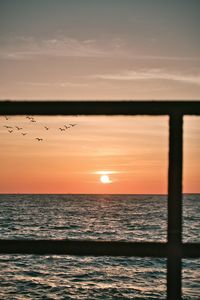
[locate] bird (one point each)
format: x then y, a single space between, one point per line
24 133
39 140
62 129
72 125
32 120
28 117
18 128
10 131
47 128
7 126
67 127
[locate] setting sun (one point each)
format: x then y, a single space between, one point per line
105 179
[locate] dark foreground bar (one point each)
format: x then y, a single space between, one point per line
96 248
77 247
174 232
98 107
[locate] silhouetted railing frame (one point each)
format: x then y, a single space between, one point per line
174 249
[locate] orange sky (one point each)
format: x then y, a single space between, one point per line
133 149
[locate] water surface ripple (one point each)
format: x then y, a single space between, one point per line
92 217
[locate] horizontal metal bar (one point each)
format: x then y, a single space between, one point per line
82 247
190 250
97 248
99 107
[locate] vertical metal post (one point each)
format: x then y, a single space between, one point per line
175 206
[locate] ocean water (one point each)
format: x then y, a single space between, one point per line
101 217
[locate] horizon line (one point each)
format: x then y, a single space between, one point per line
136 194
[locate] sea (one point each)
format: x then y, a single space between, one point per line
93 217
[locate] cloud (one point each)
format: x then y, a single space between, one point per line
18 48
62 84
106 172
150 74
29 47
26 48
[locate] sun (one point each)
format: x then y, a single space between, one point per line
105 179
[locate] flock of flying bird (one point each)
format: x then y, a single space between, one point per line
32 120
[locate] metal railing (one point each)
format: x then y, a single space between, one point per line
174 249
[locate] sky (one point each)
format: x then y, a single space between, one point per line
132 151
105 50
108 49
